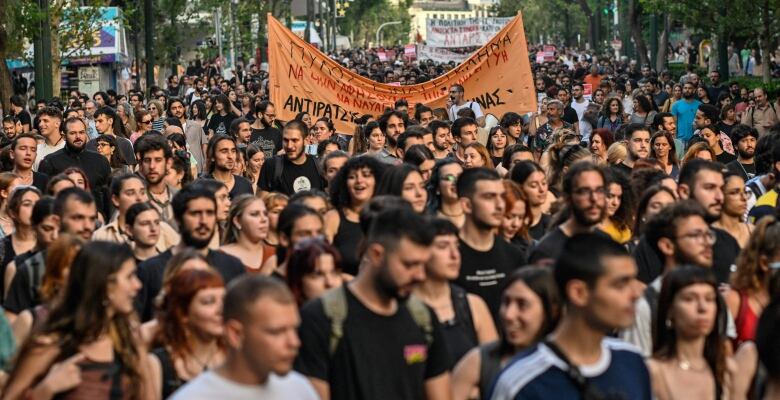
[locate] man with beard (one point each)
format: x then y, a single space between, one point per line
50 119
540 140
745 138
638 146
585 193
74 213
23 152
393 124
370 339
441 139
702 181
265 132
75 154
154 160
294 170
678 235
222 156
457 102
764 115
196 136
487 259
10 130
685 112
195 210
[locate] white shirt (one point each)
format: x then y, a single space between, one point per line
473 105
44 150
210 386
580 108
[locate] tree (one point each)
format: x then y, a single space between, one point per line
363 17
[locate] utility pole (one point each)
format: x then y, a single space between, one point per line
333 24
233 34
218 31
42 54
149 44
723 55
309 18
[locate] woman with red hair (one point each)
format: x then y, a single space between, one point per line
314 267
189 337
517 217
600 140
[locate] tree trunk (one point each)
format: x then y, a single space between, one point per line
636 31
663 44
56 53
592 27
765 43
6 88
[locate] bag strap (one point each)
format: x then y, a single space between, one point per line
335 304
588 391
421 316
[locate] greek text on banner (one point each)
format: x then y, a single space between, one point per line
467 32
303 79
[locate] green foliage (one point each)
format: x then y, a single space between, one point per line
363 17
546 18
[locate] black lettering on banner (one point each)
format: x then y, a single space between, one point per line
489 99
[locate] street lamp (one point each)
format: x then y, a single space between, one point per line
382 26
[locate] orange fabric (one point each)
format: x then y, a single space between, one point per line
497 76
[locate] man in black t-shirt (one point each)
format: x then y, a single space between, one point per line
371 339
18 111
638 146
195 211
221 156
264 131
744 139
702 180
294 170
585 193
487 259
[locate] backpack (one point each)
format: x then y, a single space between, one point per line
334 302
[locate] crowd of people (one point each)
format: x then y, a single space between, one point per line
190 245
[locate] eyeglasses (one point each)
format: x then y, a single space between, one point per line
103 144
449 178
148 121
708 236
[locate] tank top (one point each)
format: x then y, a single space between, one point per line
489 367
746 320
268 252
99 381
347 240
460 335
170 379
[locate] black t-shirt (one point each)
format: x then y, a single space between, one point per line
725 158
724 254
220 124
550 247
241 186
623 168
294 178
378 357
268 139
649 264
538 231
151 272
23 293
24 118
570 116
746 171
484 272
40 181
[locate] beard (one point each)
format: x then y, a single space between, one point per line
745 155
386 286
190 241
74 148
687 96
583 219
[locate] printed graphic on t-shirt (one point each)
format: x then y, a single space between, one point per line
415 353
301 183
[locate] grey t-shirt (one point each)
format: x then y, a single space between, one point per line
210 385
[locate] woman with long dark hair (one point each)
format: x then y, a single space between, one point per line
530 176
189 338
92 326
496 143
530 309
442 191
619 215
643 111
406 181
223 116
611 116
662 148
352 188
689 359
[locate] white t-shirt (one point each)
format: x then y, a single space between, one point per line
210 386
473 105
580 108
44 150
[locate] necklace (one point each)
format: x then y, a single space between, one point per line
686 365
451 215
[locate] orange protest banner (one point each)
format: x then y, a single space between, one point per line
497 76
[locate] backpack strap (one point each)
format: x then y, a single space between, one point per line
421 316
278 170
334 302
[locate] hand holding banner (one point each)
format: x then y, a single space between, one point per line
497 76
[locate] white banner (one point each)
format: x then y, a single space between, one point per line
439 55
466 32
